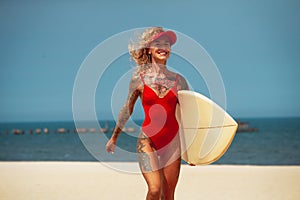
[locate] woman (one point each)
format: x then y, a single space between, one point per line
158 145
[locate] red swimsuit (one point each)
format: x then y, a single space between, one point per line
160 124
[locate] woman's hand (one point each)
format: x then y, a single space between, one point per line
111 145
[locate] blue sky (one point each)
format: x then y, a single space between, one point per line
255 45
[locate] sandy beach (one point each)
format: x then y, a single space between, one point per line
93 180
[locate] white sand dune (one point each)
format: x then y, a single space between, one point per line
92 180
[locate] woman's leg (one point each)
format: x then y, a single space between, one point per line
149 165
170 175
171 160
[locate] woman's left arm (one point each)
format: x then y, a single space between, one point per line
182 84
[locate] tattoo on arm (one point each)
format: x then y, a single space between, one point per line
127 109
182 84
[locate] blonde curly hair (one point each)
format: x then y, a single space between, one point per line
139 49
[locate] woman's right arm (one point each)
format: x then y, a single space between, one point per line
125 112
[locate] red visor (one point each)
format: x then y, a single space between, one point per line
170 34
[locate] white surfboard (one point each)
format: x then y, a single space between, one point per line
206 130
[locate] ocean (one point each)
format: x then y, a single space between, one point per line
277 142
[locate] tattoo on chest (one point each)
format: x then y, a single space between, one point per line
160 84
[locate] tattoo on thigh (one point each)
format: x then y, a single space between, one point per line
143 157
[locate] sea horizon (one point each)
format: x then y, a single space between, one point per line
272 141
136 119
